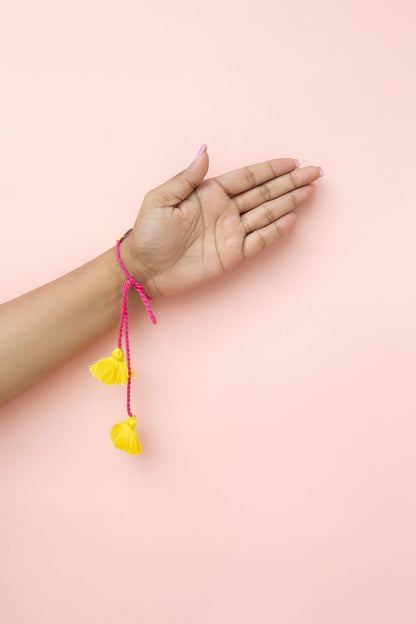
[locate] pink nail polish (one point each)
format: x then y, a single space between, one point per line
201 150
321 171
297 162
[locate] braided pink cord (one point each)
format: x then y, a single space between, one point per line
124 319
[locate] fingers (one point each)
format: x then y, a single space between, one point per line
266 236
270 211
277 187
245 178
266 211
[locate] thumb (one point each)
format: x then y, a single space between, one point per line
176 189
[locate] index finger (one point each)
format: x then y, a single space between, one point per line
245 178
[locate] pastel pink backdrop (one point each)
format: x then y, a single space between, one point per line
276 406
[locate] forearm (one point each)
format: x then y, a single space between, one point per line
46 327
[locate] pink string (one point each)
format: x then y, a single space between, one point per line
124 319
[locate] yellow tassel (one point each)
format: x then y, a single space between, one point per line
112 370
124 436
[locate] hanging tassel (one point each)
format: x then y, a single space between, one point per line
112 370
124 436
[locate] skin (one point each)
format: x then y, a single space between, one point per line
188 230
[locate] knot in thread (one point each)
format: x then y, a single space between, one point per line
130 281
131 421
118 354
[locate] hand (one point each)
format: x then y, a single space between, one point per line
189 230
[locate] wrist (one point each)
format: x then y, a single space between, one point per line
134 267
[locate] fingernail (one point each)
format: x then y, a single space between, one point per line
201 150
321 171
297 162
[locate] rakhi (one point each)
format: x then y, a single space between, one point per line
114 370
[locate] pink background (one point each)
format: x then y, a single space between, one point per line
277 405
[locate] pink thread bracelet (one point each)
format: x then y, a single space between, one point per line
124 319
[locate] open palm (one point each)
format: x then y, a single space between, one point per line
189 229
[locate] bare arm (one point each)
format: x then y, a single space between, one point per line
46 327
